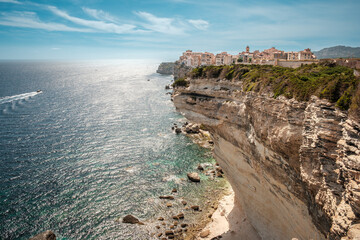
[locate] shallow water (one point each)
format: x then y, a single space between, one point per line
95 145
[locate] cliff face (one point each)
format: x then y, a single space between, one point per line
166 68
294 166
180 70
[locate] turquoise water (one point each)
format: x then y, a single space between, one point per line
95 145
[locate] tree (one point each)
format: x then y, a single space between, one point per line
240 59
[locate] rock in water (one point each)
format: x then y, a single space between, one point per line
195 208
167 197
130 219
194 177
47 235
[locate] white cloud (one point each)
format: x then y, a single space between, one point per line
100 15
98 25
162 25
199 24
31 20
10 1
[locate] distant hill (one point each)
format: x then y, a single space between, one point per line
338 52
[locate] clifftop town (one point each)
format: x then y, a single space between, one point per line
270 56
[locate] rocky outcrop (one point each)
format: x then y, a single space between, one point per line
180 70
166 68
294 166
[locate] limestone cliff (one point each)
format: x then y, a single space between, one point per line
294 165
166 68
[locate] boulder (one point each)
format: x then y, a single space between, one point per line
183 225
179 216
219 169
205 233
200 167
169 232
195 207
47 235
194 177
167 197
184 202
130 219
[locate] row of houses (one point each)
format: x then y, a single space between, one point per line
195 59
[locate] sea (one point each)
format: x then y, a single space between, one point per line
94 145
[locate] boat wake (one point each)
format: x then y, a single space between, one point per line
18 97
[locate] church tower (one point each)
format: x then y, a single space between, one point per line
247 49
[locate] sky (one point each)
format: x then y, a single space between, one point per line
163 29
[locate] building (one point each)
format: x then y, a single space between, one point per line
291 56
207 59
306 54
196 59
223 59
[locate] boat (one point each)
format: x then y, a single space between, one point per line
39 91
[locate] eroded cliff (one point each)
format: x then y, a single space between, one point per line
294 165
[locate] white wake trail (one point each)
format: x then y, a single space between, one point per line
9 99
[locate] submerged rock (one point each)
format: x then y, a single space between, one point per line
194 177
47 235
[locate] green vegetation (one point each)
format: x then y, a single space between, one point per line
326 80
181 82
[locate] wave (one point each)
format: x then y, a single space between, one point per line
25 96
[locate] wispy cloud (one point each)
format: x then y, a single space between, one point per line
31 20
10 1
161 25
100 15
199 24
98 25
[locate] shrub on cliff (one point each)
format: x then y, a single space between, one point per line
180 82
329 81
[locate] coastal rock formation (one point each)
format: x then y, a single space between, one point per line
294 166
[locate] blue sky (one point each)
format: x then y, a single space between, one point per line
163 29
